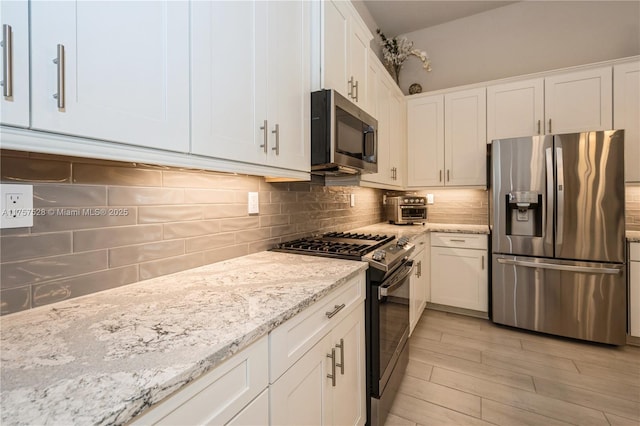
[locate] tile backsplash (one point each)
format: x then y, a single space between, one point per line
103 224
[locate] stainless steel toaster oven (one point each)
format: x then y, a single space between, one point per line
406 209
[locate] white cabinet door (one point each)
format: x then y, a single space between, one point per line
300 396
417 296
578 101
398 140
373 80
626 113
228 96
256 413
349 395
359 39
515 109
289 85
459 278
385 174
123 74
425 144
465 136
14 104
335 50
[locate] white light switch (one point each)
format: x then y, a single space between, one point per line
352 201
253 203
16 206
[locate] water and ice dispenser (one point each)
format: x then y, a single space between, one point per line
524 213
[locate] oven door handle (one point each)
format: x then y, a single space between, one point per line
396 279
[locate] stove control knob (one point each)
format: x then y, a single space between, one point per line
379 255
403 241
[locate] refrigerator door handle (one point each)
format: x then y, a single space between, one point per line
549 216
558 267
559 198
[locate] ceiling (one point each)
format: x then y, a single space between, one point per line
396 17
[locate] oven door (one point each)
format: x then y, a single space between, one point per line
410 213
393 315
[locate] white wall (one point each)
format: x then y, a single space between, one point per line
522 38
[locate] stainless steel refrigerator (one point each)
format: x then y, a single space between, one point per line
558 243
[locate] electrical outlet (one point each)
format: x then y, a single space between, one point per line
253 203
352 200
16 206
429 198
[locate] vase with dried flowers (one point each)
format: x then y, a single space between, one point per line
397 50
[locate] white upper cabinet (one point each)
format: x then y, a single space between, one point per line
465 137
447 139
515 109
251 104
578 101
425 128
626 115
229 85
14 104
119 71
344 52
289 86
390 111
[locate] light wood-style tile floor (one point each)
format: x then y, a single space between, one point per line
469 371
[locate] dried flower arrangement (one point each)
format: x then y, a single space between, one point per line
397 50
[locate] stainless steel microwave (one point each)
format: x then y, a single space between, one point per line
344 138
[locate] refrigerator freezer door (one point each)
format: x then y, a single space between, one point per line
582 300
522 196
590 196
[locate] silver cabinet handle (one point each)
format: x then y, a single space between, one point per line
457 241
356 87
277 133
447 175
59 61
341 364
483 263
266 136
338 308
538 126
549 125
440 178
419 271
351 87
332 376
7 61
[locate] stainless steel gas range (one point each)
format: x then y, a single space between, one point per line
386 306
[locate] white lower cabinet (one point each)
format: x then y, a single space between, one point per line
309 370
420 280
634 289
221 395
326 384
459 276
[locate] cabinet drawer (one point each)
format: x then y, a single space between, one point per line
219 395
472 241
634 251
291 340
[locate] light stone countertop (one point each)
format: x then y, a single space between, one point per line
413 231
633 236
103 358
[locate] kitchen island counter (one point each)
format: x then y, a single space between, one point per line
104 358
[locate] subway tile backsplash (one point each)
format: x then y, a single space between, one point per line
165 220
150 221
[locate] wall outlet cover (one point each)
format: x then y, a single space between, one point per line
254 204
429 198
16 206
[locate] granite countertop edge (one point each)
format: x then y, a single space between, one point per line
107 357
633 236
